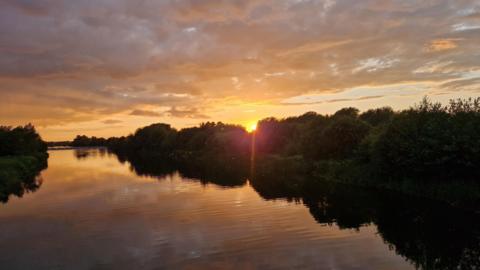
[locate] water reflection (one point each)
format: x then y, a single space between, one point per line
19 188
86 152
204 172
30 182
92 212
429 234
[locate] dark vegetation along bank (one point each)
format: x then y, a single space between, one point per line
430 150
23 155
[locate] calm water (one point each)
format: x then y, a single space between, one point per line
93 212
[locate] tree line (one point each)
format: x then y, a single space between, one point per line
428 140
429 144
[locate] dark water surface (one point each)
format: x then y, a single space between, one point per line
93 212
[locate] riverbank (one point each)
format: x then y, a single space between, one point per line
297 173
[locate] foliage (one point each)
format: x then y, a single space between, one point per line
22 140
215 138
432 142
343 136
347 112
156 138
313 136
22 156
59 144
379 116
428 144
84 141
214 148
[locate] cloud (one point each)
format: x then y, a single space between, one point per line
82 60
465 27
374 64
145 113
112 121
434 67
193 113
186 113
474 15
313 47
467 83
442 44
333 100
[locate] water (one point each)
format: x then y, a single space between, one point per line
93 212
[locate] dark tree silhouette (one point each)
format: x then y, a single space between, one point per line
22 156
429 149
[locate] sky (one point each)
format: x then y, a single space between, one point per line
107 67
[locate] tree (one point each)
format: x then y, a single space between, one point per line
156 138
21 140
343 136
377 116
348 112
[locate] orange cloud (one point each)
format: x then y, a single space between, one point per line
442 45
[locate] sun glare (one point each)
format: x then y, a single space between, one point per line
252 127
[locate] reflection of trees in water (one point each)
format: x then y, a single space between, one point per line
82 153
150 166
214 174
18 187
429 234
204 171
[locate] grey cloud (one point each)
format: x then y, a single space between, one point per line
461 84
173 112
186 113
138 112
333 100
112 121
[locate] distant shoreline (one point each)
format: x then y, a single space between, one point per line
56 148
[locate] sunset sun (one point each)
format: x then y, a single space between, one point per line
252 127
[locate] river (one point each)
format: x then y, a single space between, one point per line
92 211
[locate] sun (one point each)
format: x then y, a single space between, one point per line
252 127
